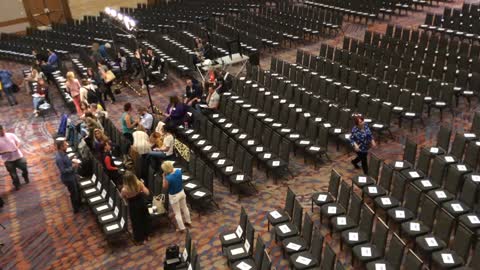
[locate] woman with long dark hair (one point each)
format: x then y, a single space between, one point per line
134 191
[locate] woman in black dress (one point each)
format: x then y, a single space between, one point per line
134 191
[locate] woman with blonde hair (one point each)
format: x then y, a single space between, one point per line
73 87
172 180
134 191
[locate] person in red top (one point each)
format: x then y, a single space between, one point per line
112 170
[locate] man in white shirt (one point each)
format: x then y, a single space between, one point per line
13 157
146 119
213 98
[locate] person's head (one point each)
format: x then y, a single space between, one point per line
97 133
140 128
131 181
95 46
70 76
167 167
150 51
108 46
174 100
167 128
142 110
62 146
189 83
89 71
359 121
2 132
211 89
84 107
93 107
155 137
127 107
85 82
107 147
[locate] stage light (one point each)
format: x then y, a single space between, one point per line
120 16
113 13
107 10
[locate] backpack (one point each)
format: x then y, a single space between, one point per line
91 96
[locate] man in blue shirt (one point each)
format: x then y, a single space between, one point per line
7 86
68 174
52 59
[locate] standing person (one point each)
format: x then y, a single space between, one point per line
146 119
13 157
172 180
134 191
108 78
73 87
96 78
128 124
68 174
7 86
361 140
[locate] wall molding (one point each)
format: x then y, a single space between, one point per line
14 21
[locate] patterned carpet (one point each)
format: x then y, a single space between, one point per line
42 232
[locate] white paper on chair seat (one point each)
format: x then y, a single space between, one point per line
229 125
275 214
71 155
207 148
215 115
242 136
284 228
275 163
362 179
372 190
307 114
189 131
447 258
434 150
237 251
285 130
107 217
322 197
103 207
303 260
337 130
476 178
449 159
397 108
399 164
250 142
414 226
327 125
201 142
268 119
377 125
332 210
440 194
399 214
462 168
235 130
69 149
261 114
267 155
84 183
386 201
190 185
243 266
195 136
215 155
112 227
199 193
221 161
293 246
304 142
380 266
341 220
457 207
314 148
222 120
96 198
426 183
259 149
229 236
229 169
431 241
88 191
366 251
294 136
474 219
469 135
276 125
353 236
414 174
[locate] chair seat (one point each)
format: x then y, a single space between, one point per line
222 162
456 208
440 195
285 230
229 170
200 194
471 221
400 165
386 202
303 260
321 198
215 156
379 264
229 239
238 179
331 210
236 252
414 228
365 253
412 174
435 151
191 185
374 191
377 126
425 185
207 149
244 264
429 243
446 259
276 163
362 181
114 227
265 156
400 214
277 216
342 223
294 244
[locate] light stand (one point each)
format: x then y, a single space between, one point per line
128 26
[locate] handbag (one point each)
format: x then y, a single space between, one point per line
109 76
159 202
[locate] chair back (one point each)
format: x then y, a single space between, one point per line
289 202
334 183
355 207
307 229
374 168
423 163
428 209
438 171
410 151
344 196
412 198
462 241
443 137
329 257
317 245
366 220
444 225
472 154
395 251
454 179
266 261
297 214
469 193
458 146
385 180
259 251
398 187
412 261
380 236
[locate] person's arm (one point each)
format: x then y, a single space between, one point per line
17 141
129 122
145 190
353 141
109 165
62 166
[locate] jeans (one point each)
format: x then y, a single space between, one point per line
155 158
12 167
362 157
178 203
74 194
36 102
9 93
